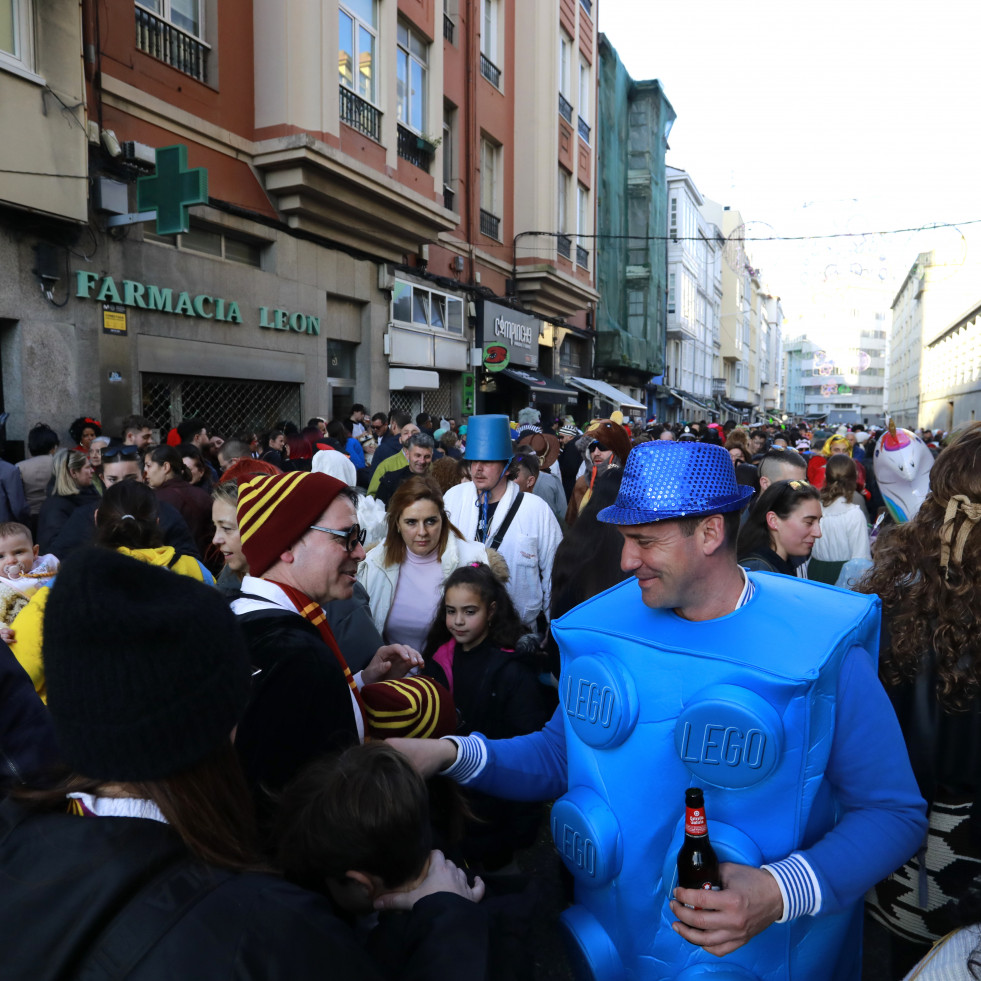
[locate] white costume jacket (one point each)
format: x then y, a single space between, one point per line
528 547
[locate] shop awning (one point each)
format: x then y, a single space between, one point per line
412 379
541 384
691 400
604 390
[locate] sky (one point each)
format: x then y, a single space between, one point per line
845 116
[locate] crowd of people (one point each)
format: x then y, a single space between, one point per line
240 655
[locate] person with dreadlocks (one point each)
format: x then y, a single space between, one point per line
492 510
927 571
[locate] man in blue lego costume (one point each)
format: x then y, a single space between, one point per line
760 689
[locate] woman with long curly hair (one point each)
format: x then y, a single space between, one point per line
926 572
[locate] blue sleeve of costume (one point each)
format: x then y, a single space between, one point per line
884 816
531 767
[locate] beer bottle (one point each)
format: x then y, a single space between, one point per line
698 866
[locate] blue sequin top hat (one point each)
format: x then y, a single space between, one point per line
664 480
488 438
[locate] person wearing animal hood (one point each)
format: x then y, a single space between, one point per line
604 444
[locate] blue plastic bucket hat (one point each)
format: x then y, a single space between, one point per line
664 480
489 438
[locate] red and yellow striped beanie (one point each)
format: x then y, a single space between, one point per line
418 708
275 512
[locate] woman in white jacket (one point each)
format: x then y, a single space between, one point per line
844 530
404 575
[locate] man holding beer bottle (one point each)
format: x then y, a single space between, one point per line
696 674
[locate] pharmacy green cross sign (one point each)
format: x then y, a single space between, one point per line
172 190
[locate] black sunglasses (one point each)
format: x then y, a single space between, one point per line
110 453
595 445
352 537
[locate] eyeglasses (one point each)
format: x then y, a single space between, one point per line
353 536
595 445
109 453
378 425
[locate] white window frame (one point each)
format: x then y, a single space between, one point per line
490 164
371 29
21 60
585 74
425 295
164 10
565 64
490 16
449 146
407 56
562 204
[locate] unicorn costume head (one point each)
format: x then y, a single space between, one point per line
902 468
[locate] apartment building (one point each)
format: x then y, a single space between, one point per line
935 356
343 248
694 305
519 168
836 370
43 207
634 122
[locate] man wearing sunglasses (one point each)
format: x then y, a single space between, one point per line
301 538
393 441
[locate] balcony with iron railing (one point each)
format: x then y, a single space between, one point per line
584 129
563 244
168 43
414 148
565 108
582 257
718 388
490 224
360 114
490 71
448 28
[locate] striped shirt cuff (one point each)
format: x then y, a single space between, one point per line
799 887
471 758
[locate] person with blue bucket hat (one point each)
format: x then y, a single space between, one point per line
695 673
492 510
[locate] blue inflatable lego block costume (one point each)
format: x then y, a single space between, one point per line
739 706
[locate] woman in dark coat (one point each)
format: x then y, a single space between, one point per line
165 472
72 488
783 524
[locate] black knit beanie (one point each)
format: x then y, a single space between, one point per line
155 684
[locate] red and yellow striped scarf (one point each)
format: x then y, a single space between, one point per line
313 612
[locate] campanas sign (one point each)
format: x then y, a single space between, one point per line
513 330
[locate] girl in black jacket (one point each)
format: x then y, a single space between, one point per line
470 650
